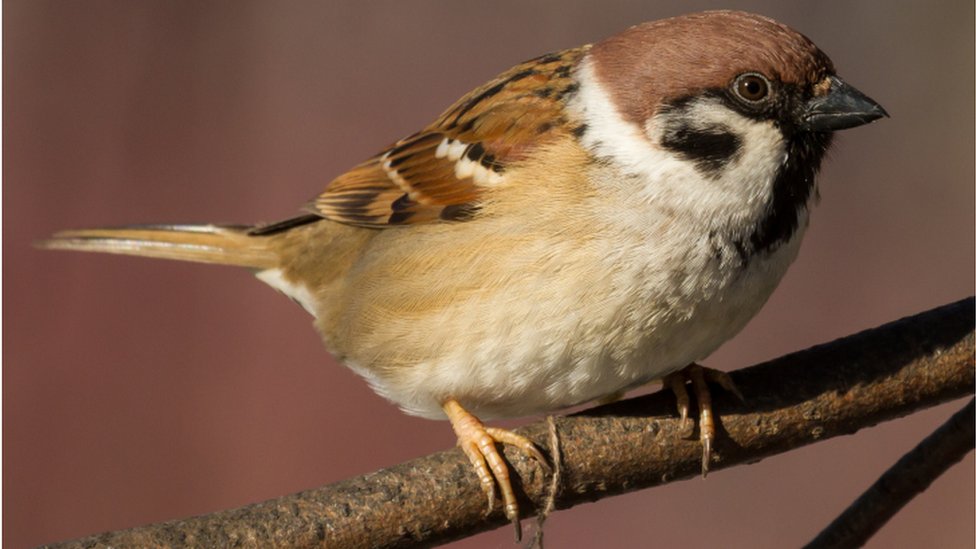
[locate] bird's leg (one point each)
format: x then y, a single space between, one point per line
478 443
699 376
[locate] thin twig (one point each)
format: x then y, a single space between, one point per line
913 473
822 392
556 478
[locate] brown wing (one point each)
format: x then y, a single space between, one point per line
440 172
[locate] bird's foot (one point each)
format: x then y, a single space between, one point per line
479 443
699 376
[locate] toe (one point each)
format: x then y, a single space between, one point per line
480 445
699 377
676 384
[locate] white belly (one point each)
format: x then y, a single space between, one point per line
569 331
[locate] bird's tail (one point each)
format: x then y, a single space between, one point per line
218 244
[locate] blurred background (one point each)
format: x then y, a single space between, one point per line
137 391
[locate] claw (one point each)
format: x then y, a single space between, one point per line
699 376
724 380
676 383
517 524
479 443
706 454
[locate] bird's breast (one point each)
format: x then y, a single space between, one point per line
513 321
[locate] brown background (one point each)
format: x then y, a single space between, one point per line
138 391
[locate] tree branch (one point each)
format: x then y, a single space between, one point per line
913 473
812 395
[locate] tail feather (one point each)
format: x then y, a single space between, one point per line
217 244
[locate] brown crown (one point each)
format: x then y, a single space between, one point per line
654 62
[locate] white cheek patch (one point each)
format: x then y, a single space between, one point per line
297 292
759 148
740 187
607 133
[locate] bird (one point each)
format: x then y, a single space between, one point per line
587 222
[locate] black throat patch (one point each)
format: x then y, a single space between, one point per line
711 146
792 188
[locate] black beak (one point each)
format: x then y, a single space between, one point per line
841 108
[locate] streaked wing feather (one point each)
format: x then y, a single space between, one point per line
440 172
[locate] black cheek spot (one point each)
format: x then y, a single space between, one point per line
710 148
578 131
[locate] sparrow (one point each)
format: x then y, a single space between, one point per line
584 223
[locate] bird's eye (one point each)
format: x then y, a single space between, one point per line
751 87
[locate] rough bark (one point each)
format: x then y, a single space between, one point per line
812 395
